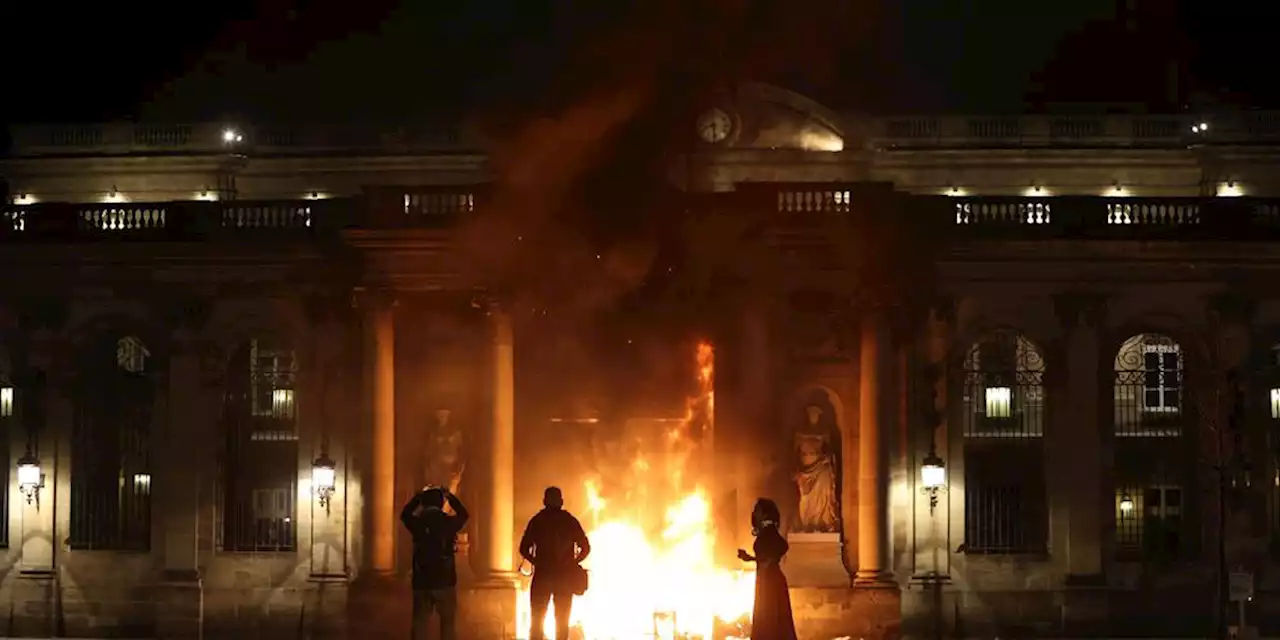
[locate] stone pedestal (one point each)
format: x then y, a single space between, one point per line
34 608
379 606
487 611
815 560
868 614
325 602
179 608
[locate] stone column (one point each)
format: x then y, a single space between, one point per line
1076 437
380 324
497 540
871 499
755 411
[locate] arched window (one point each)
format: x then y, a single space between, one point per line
259 464
1151 470
1005 503
111 448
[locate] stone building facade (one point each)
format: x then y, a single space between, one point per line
1074 314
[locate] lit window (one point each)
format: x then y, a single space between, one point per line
999 402
1275 404
6 402
271 374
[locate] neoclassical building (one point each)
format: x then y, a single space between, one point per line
229 354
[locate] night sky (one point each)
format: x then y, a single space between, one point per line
335 60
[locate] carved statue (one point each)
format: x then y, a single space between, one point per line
816 476
445 464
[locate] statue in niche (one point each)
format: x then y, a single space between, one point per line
815 476
445 463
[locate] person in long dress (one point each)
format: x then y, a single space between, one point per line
771 618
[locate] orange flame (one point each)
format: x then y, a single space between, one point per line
660 583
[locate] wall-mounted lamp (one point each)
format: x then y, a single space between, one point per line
1230 189
113 196
1118 190
955 191
1034 191
231 136
206 195
23 199
324 475
30 477
933 478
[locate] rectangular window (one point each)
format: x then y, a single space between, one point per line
110 492
1006 510
1162 378
259 466
1149 521
271 377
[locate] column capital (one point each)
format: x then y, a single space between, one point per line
181 313
210 357
49 314
1080 308
1230 306
374 298
321 307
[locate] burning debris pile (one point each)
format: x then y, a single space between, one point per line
649 518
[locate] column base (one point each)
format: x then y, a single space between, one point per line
874 579
379 605
179 604
497 580
1086 580
34 605
181 576
489 608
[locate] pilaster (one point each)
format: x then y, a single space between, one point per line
48 428
1076 434
931 561
181 464
324 408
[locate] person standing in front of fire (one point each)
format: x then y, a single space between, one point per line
435 574
771 617
555 544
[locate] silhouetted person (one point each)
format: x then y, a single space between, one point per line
435 574
771 617
555 544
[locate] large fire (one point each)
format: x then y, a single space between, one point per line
654 575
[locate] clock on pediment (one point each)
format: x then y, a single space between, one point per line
715 125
